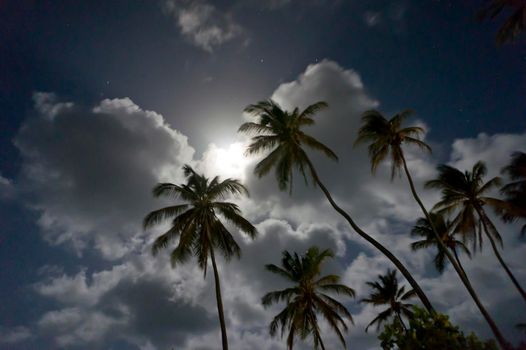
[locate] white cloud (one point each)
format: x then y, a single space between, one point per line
89 173
99 201
494 150
203 24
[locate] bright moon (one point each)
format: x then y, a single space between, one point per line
227 162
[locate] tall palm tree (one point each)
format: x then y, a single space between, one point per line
386 138
515 191
513 25
280 132
466 193
387 292
197 224
307 298
424 229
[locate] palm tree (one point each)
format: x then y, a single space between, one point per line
513 25
280 132
307 298
515 191
197 224
387 292
424 229
386 138
466 193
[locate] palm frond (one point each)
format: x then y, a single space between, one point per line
315 144
160 215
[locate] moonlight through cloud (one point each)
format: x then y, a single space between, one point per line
263 174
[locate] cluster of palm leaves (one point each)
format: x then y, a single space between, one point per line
514 24
459 218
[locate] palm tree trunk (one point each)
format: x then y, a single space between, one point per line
372 241
459 263
321 342
460 272
485 222
219 301
401 322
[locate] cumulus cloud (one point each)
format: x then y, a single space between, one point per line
203 24
494 150
89 173
144 301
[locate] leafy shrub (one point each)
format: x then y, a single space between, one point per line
428 331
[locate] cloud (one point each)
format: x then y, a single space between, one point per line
7 189
203 24
494 150
144 301
393 13
372 18
14 335
89 173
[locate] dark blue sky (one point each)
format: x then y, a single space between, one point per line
432 56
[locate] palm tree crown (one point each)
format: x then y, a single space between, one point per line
197 222
387 292
466 193
198 226
514 24
279 131
387 136
423 228
307 298
515 191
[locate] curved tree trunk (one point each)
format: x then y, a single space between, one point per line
485 222
460 271
219 301
372 241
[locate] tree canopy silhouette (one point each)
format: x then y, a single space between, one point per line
197 224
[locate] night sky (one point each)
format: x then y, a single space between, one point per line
101 100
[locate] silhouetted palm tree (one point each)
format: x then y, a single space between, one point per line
386 138
386 292
280 132
307 298
466 193
424 229
513 25
515 191
198 226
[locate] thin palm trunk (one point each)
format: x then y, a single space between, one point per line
321 343
460 271
372 241
455 254
219 301
485 222
401 321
